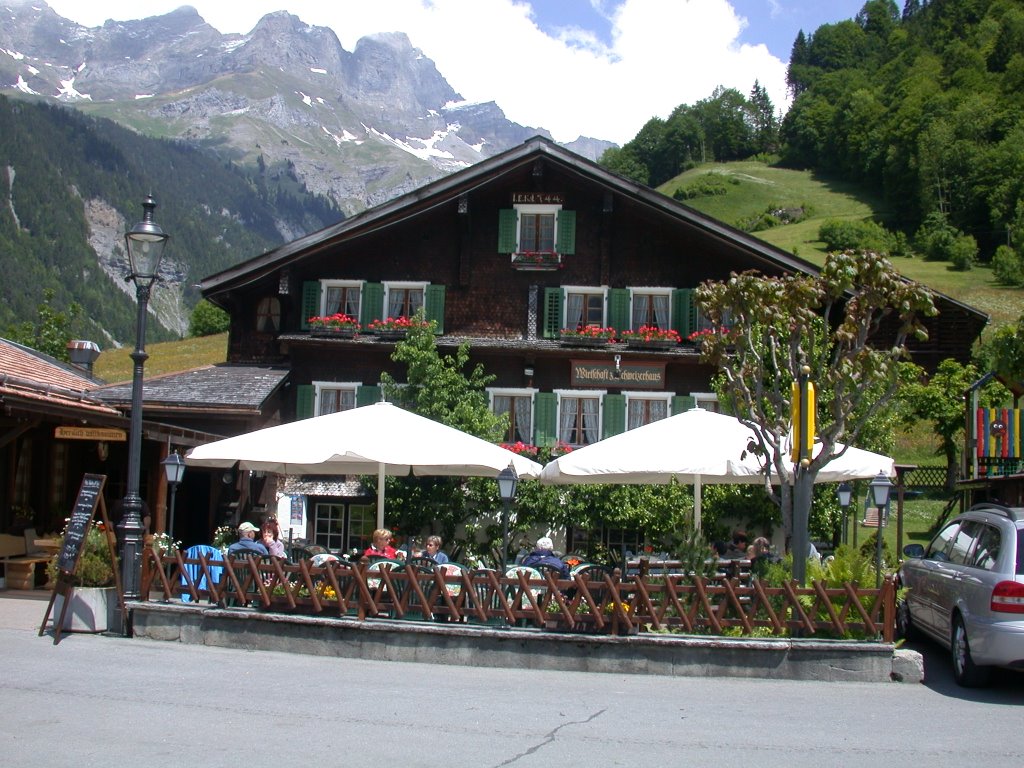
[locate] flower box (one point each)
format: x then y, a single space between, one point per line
391 334
651 337
640 343
333 332
394 328
584 341
536 261
589 336
336 325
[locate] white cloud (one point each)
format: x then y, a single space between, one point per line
662 53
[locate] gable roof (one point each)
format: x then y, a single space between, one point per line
486 172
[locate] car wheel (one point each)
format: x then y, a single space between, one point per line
965 671
904 624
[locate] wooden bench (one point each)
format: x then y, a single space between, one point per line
19 563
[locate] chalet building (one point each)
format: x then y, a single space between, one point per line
504 255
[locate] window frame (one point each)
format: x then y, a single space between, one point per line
326 285
516 392
579 394
585 290
403 285
664 397
320 386
634 292
538 209
268 313
703 399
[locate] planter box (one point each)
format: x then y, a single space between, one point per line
391 335
650 344
90 609
548 262
333 333
584 341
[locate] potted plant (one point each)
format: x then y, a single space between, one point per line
338 324
651 337
588 336
93 596
392 328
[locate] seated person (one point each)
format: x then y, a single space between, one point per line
247 544
738 548
270 535
543 554
380 545
433 550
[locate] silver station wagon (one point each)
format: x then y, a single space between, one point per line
966 591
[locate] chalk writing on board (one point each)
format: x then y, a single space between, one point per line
78 524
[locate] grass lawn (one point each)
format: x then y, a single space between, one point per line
115 365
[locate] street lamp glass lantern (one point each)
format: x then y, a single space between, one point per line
880 488
508 480
145 242
844 492
174 468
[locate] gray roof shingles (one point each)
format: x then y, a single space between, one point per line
229 386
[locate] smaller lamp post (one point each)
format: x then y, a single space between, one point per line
508 481
880 487
844 492
174 471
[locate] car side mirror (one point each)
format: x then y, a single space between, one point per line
914 550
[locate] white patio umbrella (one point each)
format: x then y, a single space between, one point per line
695 446
379 439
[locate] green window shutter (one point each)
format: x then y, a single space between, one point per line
682 403
434 300
545 411
684 312
567 232
304 396
508 220
552 313
618 309
367 395
371 303
614 421
310 303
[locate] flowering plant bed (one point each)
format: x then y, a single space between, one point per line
536 261
698 336
651 337
394 327
590 335
338 324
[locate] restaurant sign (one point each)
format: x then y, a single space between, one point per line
589 373
90 433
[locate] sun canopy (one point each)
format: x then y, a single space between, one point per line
379 439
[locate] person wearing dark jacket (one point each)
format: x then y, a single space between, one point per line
543 554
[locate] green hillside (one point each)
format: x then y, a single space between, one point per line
753 187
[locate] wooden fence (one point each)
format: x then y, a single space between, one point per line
592 601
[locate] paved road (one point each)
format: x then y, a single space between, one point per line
105 701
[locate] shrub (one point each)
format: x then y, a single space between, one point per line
708 185
1007 266
208 320
840 235
95 567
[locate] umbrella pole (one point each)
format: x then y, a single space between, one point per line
696 504
380 495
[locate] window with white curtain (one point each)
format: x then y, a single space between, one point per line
584 307
403 299
332 397
651 307
706 400
579 417
537 228
517 404
340 296
644 408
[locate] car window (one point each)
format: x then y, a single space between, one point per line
1020 551
940 544
960 544
986 551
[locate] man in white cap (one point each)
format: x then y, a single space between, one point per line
247 543
543 554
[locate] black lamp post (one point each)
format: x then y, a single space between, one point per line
880 487
844 492
508 481
145 242
174 471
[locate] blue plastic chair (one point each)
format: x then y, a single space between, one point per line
195 571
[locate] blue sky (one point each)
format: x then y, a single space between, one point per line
599 68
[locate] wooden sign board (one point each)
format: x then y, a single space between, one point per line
88 501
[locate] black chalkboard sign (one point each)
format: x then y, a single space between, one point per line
82 514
